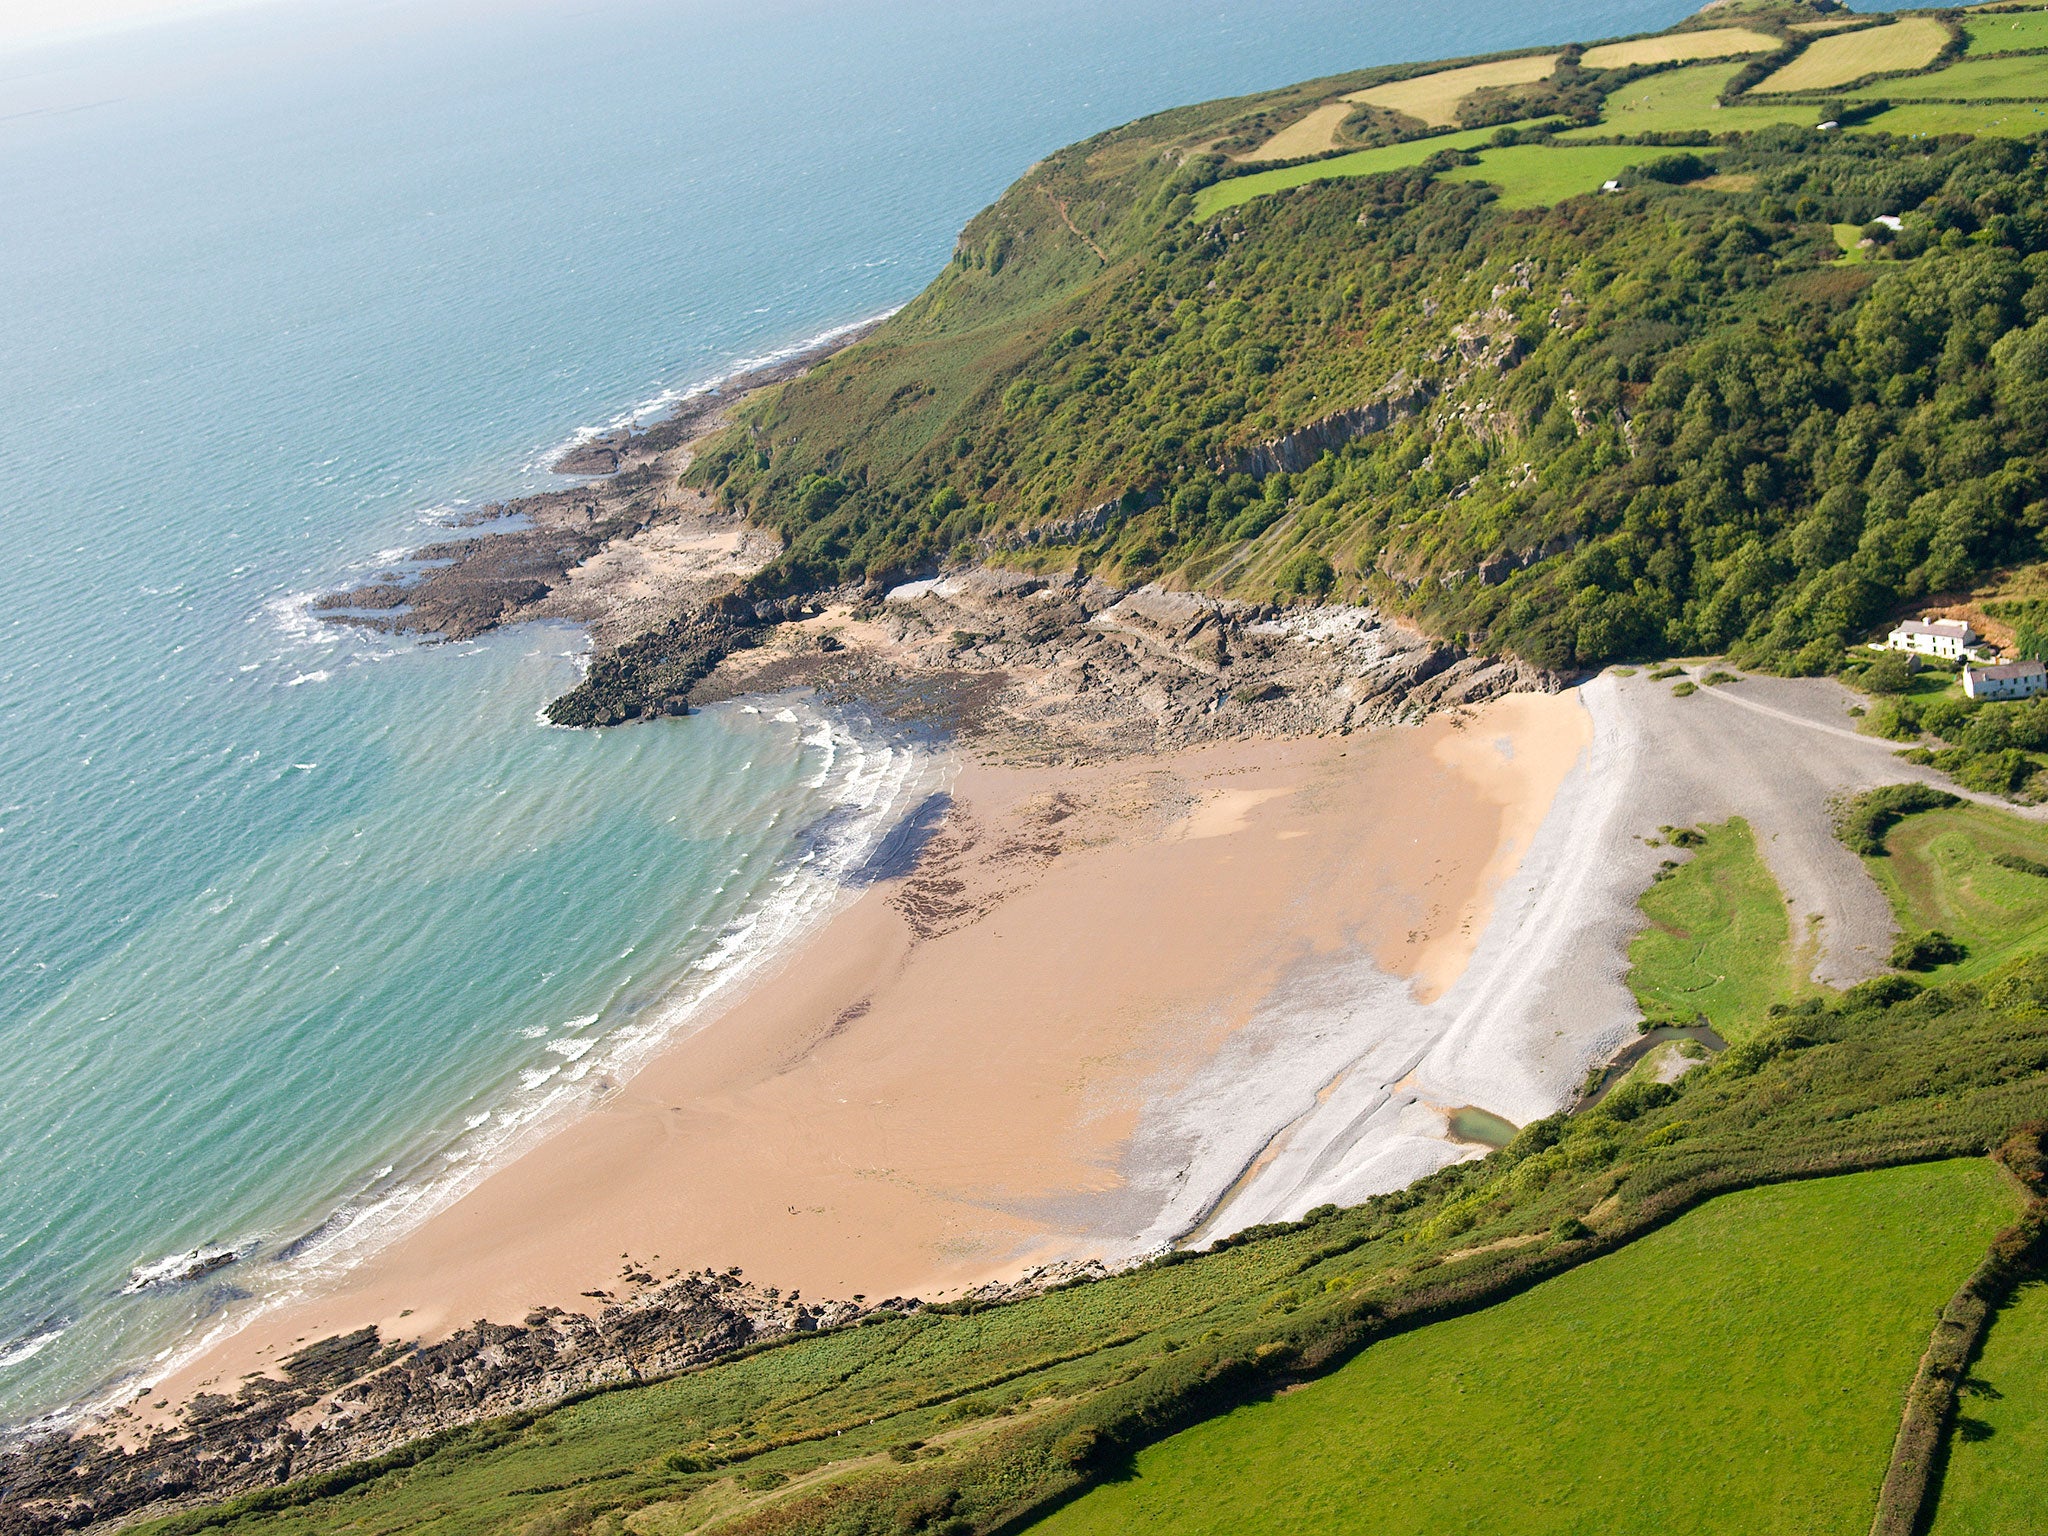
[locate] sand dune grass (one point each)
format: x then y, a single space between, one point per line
1750 1357
1433 99
1717 43
1842 57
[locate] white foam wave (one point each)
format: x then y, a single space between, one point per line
665 400
21 1350
862 788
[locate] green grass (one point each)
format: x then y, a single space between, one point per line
1939 874
1932 118
1848 237
1718 941
1214 199
1740 1370
2004 34
1537 175
1684 101
1995 1484
1971 80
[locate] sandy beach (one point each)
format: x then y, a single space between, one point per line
971 1070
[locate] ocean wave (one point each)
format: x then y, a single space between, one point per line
28 1346
665 400
870 782
180 1268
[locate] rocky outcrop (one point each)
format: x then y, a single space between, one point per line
1295 451
1024 669
355 1396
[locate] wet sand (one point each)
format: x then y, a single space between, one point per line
948 1084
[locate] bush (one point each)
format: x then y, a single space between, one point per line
1863 820
1685 689
1569 1229
2021 865
1923 952
1308 574
1890 673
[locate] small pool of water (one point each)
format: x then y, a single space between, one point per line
1481 1126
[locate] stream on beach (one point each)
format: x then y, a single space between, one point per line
307 925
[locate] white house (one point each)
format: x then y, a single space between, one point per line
1934 637
2010 680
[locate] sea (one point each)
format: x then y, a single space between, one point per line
304 928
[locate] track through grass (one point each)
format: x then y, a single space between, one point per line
1740 1370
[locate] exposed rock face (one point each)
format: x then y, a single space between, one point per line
1295 451
1028 670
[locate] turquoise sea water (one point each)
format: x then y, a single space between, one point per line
302 926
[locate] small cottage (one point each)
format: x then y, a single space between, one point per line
2009 680
1951 638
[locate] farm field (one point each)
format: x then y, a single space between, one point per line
1718 43
1719 942
1684 101
2023 75
2003 34
1993 1485
1940 874
1311 135
1929 118
1364 162
1433 99
1537 175
1837 59
1740 1370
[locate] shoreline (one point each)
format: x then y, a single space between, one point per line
906 1201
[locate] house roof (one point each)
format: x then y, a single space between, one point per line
2010 671
1947 628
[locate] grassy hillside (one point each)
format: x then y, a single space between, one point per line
1623 1397
1662 419
958 1420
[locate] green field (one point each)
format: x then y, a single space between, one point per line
1939 874
1537 175
2024 76
2010 120
2003 34
1718 941
1364 162
1685 101
1997 1479
1740 1370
